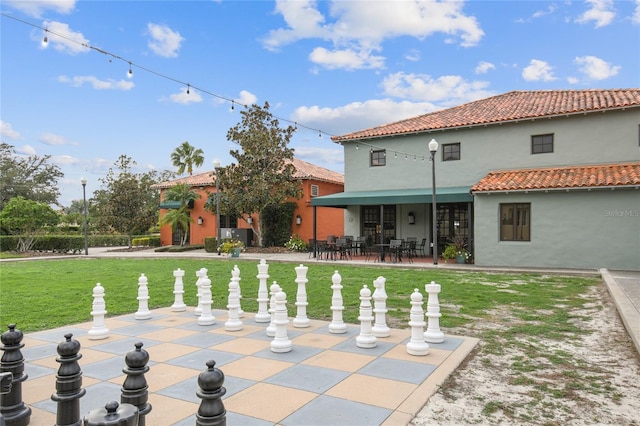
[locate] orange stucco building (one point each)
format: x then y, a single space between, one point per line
314 181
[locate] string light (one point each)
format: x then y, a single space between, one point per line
130 74
151 71
232 106
45 40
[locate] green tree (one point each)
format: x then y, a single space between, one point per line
126 203
263 175
32 177
180 218
185 157
27 219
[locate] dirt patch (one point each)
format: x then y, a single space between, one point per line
591 379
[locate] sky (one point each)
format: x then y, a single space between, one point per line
327 67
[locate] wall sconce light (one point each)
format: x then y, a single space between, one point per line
412 218
249 220
298 220
200 220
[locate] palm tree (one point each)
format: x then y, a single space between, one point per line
185 157
180 218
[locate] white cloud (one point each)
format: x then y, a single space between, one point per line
484 67
447 90
331 158
109 84
164 41
36 8
573 80
346 59
601 12
358 31
635 18
53 139
538 71
65 160
595 68
246 98
412 55
6 131
26 150
63 39
186 98
359 115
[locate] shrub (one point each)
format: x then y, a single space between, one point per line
295 243
210 244
229 244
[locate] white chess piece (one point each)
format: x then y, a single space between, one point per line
206 318
235 276
417 346
337 325
233 322
433 333
98 331
366 339
263 293
271 328
143 299
301 320
380 328
281 342
178 292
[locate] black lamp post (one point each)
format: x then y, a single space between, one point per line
83 181
433 148
216 166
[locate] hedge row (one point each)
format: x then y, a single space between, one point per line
146 242
70 243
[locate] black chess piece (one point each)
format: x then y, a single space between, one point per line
211 411
135 390
12 408
68 383
113 414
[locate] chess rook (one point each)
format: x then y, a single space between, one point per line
263 292
380 328
178 292
433 333
143 299
134 390
366 339
12 408
68 383
301 320
98 330
271 328
206 317
337 325
281 342
417 346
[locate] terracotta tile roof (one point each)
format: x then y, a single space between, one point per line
567 177
304 171
511 106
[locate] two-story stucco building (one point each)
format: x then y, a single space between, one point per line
314 181
531 178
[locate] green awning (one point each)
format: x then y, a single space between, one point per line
457 194
174 204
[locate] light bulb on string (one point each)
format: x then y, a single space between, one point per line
130 73
45 39
356 146
319 133
232 108
405 156
188 87
395 154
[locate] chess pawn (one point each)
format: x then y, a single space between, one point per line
143 299
417 345
206 318
301 320
281 342
178 292
337 325
263 292
200 274
433 333
113 414
68 383
134 390
235 276
211 411
98 331
233 322
380 328
12 408
271 328
366 339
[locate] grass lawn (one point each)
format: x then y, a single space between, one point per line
44 294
